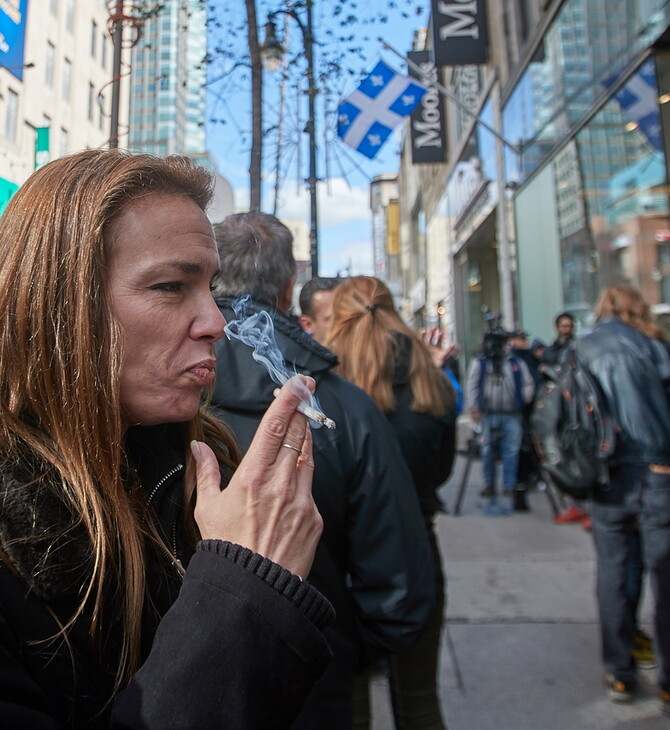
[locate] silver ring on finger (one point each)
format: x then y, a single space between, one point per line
290 446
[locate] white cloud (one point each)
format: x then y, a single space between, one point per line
344 217
337 203
354 257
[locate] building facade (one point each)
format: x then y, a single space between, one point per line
55 83
167 91
556 180
168 88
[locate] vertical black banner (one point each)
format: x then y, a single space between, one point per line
427 120
460 33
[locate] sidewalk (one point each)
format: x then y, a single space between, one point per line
520 650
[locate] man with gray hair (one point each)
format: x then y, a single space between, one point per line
373 561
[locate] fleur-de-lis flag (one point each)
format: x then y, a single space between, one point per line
366 118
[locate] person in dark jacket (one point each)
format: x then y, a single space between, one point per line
380 353
552 358
627 356
316 306
565 336
373 559
134 592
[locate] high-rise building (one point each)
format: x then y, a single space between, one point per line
167 91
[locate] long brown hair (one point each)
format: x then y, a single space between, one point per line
626 303
362 336
60 357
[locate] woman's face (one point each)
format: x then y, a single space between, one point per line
161 260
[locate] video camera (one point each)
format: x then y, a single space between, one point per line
495 339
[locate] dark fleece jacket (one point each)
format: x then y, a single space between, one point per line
236 645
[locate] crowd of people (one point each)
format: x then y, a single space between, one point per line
181 546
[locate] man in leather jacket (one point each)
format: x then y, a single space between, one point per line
628 358
373 561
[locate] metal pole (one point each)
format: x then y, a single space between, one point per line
311 130
116 74
504 243
433 82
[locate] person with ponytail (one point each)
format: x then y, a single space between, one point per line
134 591
380 354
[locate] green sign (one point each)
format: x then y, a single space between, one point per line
7 189
41 146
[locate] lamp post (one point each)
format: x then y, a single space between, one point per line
271 55
116 20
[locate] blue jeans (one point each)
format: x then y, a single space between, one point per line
636 499
501 434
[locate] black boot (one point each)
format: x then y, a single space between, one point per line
520 503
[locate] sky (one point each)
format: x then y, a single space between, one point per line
345 225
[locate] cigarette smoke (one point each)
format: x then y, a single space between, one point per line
256 330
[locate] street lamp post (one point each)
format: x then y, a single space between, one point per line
117 42
271 53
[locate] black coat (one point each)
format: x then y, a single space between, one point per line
237 645
373 562
633 372
428 442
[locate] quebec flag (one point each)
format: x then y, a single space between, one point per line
366 118
638 99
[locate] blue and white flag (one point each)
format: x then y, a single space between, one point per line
638 99
366 118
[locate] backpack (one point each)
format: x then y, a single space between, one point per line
571 431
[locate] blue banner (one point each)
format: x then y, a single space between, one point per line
12 35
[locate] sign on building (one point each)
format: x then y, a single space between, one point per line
427 120
7 189
12 35
460 33
393 228
41 146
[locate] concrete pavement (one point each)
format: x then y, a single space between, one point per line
520 650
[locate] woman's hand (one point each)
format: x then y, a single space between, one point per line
433 338
267 506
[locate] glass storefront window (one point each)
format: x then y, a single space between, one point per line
612 199
571 72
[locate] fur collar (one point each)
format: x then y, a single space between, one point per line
42 540
48 545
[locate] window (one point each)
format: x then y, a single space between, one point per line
53 6
103 60
69 15
63 142
101 111
67 79
12 114
91 101
49 65
94 38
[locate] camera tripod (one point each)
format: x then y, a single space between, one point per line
473 451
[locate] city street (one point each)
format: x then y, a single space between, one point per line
521 647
